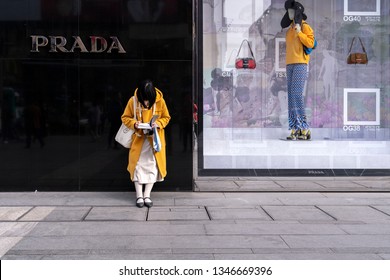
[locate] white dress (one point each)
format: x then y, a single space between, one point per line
146 171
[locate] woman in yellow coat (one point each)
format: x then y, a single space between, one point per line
146 166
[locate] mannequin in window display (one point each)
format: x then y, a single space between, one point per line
298 35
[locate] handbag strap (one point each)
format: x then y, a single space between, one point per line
361 43
134 107
249 45
230 56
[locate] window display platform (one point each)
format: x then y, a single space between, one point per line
256 149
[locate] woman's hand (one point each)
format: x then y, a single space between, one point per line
136 125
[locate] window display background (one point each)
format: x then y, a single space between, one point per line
246 131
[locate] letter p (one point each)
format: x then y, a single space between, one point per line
38 41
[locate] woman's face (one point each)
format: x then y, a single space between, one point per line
146 103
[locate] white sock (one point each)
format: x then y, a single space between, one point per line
148 189
138 189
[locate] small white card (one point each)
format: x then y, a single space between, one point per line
148 125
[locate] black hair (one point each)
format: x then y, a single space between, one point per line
146 91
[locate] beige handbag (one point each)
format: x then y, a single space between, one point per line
124 136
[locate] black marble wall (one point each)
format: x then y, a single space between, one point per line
67 69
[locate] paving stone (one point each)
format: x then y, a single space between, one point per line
299 213
177 213
38 213
12 213
217 186
372 229
6 226
75 213
346 185
211 251
336 241
249 198
382 184
6 243
384 209
217 242
115 228
306 256
22 257
132 257
140 242
258 186
362 250
298 184
15 229
335 199
212 202
117 214
272 229
385 256
49 252
225 213
355 213
283 251
34 198
130 251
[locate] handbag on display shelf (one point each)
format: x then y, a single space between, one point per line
245 62
124 136
357 57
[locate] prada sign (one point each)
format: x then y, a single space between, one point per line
57 44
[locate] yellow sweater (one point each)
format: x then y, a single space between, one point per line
295 42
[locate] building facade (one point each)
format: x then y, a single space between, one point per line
68 68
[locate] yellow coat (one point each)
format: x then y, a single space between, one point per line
295 42
138 137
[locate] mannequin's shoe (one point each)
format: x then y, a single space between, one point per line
140 202
293 135
305 134
148 202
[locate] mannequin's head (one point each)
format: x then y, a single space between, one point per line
291 14
294 12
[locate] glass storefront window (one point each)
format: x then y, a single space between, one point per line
244 112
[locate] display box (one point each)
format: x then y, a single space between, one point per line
361 106
362 8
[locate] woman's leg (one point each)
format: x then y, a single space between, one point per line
148 190
139 195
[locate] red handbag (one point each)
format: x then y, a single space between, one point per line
245 62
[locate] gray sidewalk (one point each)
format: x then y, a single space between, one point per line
197 225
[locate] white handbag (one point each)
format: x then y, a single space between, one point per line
124 136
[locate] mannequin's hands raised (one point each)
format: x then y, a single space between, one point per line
297 28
